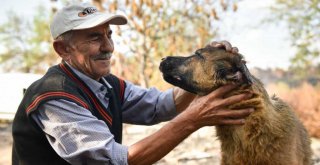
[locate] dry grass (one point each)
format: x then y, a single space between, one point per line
305 100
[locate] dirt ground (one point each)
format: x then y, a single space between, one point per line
201 148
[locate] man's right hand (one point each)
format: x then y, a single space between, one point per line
203 111
212 109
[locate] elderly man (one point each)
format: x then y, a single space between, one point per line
74 113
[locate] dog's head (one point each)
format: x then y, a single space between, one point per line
205 70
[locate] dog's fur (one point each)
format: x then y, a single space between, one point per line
271 135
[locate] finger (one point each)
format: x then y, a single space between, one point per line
234 99
227 45
217 44
221 91
237 114
232 122
234 50
213 43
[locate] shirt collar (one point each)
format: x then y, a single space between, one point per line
94 85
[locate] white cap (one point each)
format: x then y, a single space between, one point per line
81 16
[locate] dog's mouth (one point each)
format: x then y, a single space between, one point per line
172 78
179 81
168 74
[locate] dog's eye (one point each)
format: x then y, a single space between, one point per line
199 54
224 71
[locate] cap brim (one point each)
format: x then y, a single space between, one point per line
100 19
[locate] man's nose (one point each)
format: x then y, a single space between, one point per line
107 45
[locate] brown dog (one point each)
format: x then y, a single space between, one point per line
271 135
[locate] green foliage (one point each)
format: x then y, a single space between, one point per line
303 20
27 43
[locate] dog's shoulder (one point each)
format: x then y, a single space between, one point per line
278 103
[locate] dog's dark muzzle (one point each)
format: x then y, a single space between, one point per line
172 73
168 64
169 69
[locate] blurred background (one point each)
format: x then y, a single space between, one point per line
279 38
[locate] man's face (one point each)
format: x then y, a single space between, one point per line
91 51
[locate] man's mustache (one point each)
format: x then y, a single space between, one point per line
103 56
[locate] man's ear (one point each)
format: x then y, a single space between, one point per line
62 49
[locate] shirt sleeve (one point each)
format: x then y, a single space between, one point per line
77 136
147 106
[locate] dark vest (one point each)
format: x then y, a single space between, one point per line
30 145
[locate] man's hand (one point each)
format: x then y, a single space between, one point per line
224 44
182 98
203 111
212 109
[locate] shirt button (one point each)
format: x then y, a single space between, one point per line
102 88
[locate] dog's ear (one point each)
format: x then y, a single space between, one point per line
240 73
247 77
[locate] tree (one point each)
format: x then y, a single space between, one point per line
160 28
27 43
302 18
156 29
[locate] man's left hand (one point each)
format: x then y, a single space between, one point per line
224 44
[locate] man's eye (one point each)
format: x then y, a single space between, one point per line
95 39
109 34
